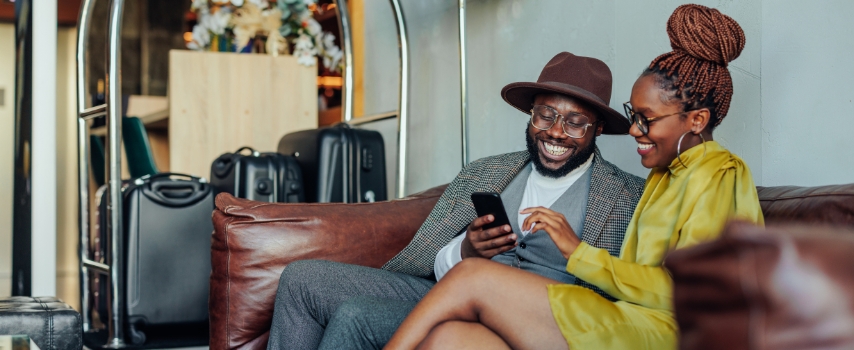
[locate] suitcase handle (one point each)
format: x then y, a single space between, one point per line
222 165
244 148
176 194
171 176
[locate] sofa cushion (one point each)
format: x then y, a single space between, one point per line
784 287
828 205
254 241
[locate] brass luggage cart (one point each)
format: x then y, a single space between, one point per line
112 267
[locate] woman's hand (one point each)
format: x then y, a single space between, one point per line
555 225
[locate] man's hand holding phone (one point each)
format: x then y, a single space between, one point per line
486 243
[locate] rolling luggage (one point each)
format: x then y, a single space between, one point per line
266 177
167 233
339 163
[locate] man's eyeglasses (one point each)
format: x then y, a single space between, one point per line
574 125
641 120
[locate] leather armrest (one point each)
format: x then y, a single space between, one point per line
254 241
783 287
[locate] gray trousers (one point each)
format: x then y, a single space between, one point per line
328 305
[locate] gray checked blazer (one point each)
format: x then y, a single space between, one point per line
614 194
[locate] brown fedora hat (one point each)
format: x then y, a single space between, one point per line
584 78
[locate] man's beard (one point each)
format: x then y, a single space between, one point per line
574 161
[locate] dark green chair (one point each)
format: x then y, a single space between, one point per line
138 154
140 160
96 154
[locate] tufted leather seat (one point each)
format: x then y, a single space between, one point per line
50 323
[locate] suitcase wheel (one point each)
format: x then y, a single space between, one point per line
135 333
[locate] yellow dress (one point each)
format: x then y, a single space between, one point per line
680 207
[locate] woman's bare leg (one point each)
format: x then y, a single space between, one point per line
510 302
462 336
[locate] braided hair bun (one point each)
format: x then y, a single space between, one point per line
704 41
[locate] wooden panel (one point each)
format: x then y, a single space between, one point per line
357 19
67 12
159 141
141 105
219 102
329 117
7 159
7 11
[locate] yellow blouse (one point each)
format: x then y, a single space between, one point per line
681 206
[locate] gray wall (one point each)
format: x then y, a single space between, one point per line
800 50
807 92
382 75
434 143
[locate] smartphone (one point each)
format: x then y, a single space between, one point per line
486 203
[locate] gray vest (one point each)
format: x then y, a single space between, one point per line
536 252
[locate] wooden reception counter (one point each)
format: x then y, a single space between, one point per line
219 102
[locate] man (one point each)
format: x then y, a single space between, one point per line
328 305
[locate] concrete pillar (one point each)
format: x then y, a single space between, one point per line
34 220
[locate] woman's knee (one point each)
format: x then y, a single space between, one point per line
468 268
473 270
458 335
442 336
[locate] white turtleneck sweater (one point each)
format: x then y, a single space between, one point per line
540 191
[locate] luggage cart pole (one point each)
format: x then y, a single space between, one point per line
403 109
114 176
347 42
463 84
83 161
347 89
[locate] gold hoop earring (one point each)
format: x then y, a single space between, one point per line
679 147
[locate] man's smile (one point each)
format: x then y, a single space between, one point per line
554 153
555 150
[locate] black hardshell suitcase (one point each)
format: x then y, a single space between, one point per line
339 163
266 177
167 227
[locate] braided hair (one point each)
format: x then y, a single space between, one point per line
695 73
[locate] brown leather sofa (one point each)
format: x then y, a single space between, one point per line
253 242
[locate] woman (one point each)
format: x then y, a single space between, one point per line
694 188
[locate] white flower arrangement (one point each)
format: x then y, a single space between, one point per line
283 22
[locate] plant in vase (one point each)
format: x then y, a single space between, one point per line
270 26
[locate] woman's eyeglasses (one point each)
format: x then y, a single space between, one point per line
641 120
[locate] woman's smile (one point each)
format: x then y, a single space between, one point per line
645 148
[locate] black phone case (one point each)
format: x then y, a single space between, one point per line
486 203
